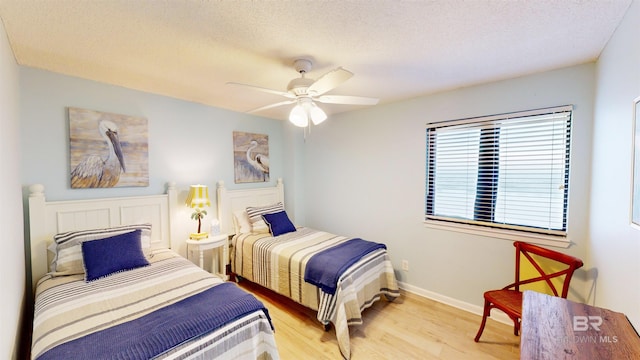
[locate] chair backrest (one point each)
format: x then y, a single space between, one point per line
525 250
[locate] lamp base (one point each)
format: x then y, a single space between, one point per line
199 236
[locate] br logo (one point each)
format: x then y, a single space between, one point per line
583 323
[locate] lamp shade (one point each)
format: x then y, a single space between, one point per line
316 114
298 116
198 196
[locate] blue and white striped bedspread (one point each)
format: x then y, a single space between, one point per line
171 309
161 330
325 268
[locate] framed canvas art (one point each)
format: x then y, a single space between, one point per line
250 157
107 150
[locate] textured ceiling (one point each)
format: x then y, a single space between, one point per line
397 49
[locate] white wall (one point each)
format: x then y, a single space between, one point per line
615 245
12 275
365 176
294 172
187 141
174 153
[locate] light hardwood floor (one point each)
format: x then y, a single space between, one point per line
411 327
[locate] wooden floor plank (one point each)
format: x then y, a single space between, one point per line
411 327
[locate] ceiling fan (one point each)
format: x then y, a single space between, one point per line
305 92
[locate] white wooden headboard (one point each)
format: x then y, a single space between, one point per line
47 218
232 200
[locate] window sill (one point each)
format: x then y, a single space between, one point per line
513 235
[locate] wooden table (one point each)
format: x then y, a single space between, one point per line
555 328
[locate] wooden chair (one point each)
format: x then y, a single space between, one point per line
509 298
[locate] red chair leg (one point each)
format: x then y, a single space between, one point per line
485 315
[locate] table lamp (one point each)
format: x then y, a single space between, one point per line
198 198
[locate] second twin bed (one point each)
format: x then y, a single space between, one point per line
337 276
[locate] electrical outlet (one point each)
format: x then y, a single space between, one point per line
405 265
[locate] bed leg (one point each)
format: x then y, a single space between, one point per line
389 297
327 327
233 276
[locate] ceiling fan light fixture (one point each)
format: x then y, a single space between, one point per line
304 92
298 116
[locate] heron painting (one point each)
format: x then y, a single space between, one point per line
251 157
107 150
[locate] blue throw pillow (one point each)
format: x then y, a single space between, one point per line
279 223
113 254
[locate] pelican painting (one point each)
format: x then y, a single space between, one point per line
94 171
251 157
107 150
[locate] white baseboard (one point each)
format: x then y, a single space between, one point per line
474 309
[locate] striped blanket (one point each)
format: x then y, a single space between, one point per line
326 267
69 310
279 264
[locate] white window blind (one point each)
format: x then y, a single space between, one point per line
508 171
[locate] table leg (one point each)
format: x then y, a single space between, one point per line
225 259
214 266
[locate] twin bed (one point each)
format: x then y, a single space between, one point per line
283 259
127 296
106 284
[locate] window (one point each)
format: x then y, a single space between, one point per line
508 171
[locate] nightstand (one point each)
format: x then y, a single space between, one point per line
217 243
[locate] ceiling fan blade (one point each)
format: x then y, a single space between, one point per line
271 91
329 80
286 102
347 100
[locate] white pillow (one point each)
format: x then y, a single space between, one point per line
68 246
241 222
255 216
